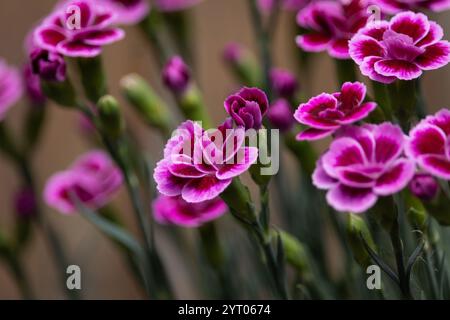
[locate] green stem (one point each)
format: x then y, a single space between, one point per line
404 102
345 70
382 98
20 276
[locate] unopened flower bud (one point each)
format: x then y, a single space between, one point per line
25 203
176 75
110 117
146 102
280 115
283 82
244 65
424 186
50 66
357 233
296 254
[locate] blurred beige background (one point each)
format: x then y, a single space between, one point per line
215 23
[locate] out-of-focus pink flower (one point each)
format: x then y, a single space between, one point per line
199 165
424 186
10 87
129 11
33 86
25 203
283 82
175 5
64 33
266 6
233 52
280 115
93 179
400 49
326 113
50 66
247 107
362 164
330 25
176 211
176 75
429 144
397 6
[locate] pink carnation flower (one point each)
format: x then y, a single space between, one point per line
326 113
174 210
175 5
10 87
397 6
93 178
129 11
60 33
429 144
362 164
199 165
330 25
400 49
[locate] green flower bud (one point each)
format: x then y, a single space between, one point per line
237 197
111 120
417 214
146 102
357 228
296 254
192 106
92 78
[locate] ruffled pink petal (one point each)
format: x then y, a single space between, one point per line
314 42
358 113
375 30
78 49
343 152
312 134
339 49
400 69
438 166
396 178
352 94
233 142
245 158
412 24
348 199
49 37
441 119
425 139
353 177
367 69
321 179
103 37
185 170
435 56
363 136
167 183
435 34
362 46
202 189
307 113
389 141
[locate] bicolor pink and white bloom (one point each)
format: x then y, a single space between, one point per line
10 87
129 11
362 164
62 32
400 49
94 179
175 5
326 113
397 6
329 25
247 107
429 144
199 165
176 211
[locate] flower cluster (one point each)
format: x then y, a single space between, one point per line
199 165
93 180
326 113
329 25
399 49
